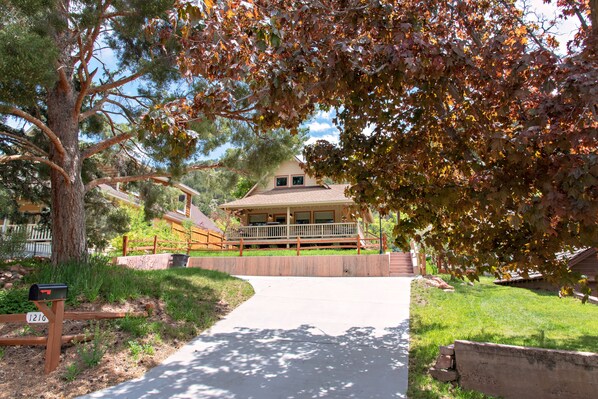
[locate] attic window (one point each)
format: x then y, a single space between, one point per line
182 204
282 181
298 180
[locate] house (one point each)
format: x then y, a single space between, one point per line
583 261
185 210
291 204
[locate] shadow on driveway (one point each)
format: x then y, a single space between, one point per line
363 363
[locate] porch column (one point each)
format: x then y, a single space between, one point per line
288 225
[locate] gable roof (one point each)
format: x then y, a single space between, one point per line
572 258
263 178
197 217
312 195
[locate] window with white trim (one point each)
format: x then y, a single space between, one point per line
181 206
298 180
282 181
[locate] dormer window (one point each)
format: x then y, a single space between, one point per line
282 181
182 204
298 180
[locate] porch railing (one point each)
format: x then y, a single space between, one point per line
316 230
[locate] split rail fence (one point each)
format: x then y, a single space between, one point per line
157 245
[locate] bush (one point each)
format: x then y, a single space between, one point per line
12 245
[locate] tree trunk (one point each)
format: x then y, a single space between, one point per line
68 213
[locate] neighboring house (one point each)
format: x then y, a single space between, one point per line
291 204
583 261
185 210
203 228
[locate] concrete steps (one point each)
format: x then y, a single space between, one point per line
400 264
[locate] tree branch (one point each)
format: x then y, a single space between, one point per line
102 145
118 83
125 179
10 158
93 110
25 142
38 123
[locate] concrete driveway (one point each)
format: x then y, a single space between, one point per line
298 337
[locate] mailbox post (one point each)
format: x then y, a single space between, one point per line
39 294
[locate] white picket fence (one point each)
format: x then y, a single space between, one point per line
38 238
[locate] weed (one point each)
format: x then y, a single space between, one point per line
2 352
72 372
138 327
137 349
91 353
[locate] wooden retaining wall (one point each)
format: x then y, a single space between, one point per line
314 266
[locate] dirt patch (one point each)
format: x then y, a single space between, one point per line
126 357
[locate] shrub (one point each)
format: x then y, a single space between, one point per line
12 245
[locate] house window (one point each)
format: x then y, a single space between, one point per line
324 217
282 181
258 219
282 219
181 206
302 217
298 180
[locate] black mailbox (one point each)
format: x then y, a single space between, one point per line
47 292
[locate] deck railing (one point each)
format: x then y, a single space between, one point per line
283 231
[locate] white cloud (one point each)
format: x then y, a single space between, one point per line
319 127
328 115
332 138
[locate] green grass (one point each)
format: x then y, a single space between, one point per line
192 297
284 252
490 313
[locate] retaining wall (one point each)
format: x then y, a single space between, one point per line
316 266
145 262
522 372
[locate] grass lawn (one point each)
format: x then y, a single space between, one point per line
489 313
284 252
181 303
192 297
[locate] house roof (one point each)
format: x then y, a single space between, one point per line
313 195
572 258
184 188
196 216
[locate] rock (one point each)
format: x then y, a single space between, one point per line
444 362
448 350
8 286
16 268
444 375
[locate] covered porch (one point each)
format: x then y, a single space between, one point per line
275 230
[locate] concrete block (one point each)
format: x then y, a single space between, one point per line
444 375
448 350
444 362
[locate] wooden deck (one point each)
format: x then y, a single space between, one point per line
314 266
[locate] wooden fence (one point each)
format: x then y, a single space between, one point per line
156 245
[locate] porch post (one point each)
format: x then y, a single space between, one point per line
288 225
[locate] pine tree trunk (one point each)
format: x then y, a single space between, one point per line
68 213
